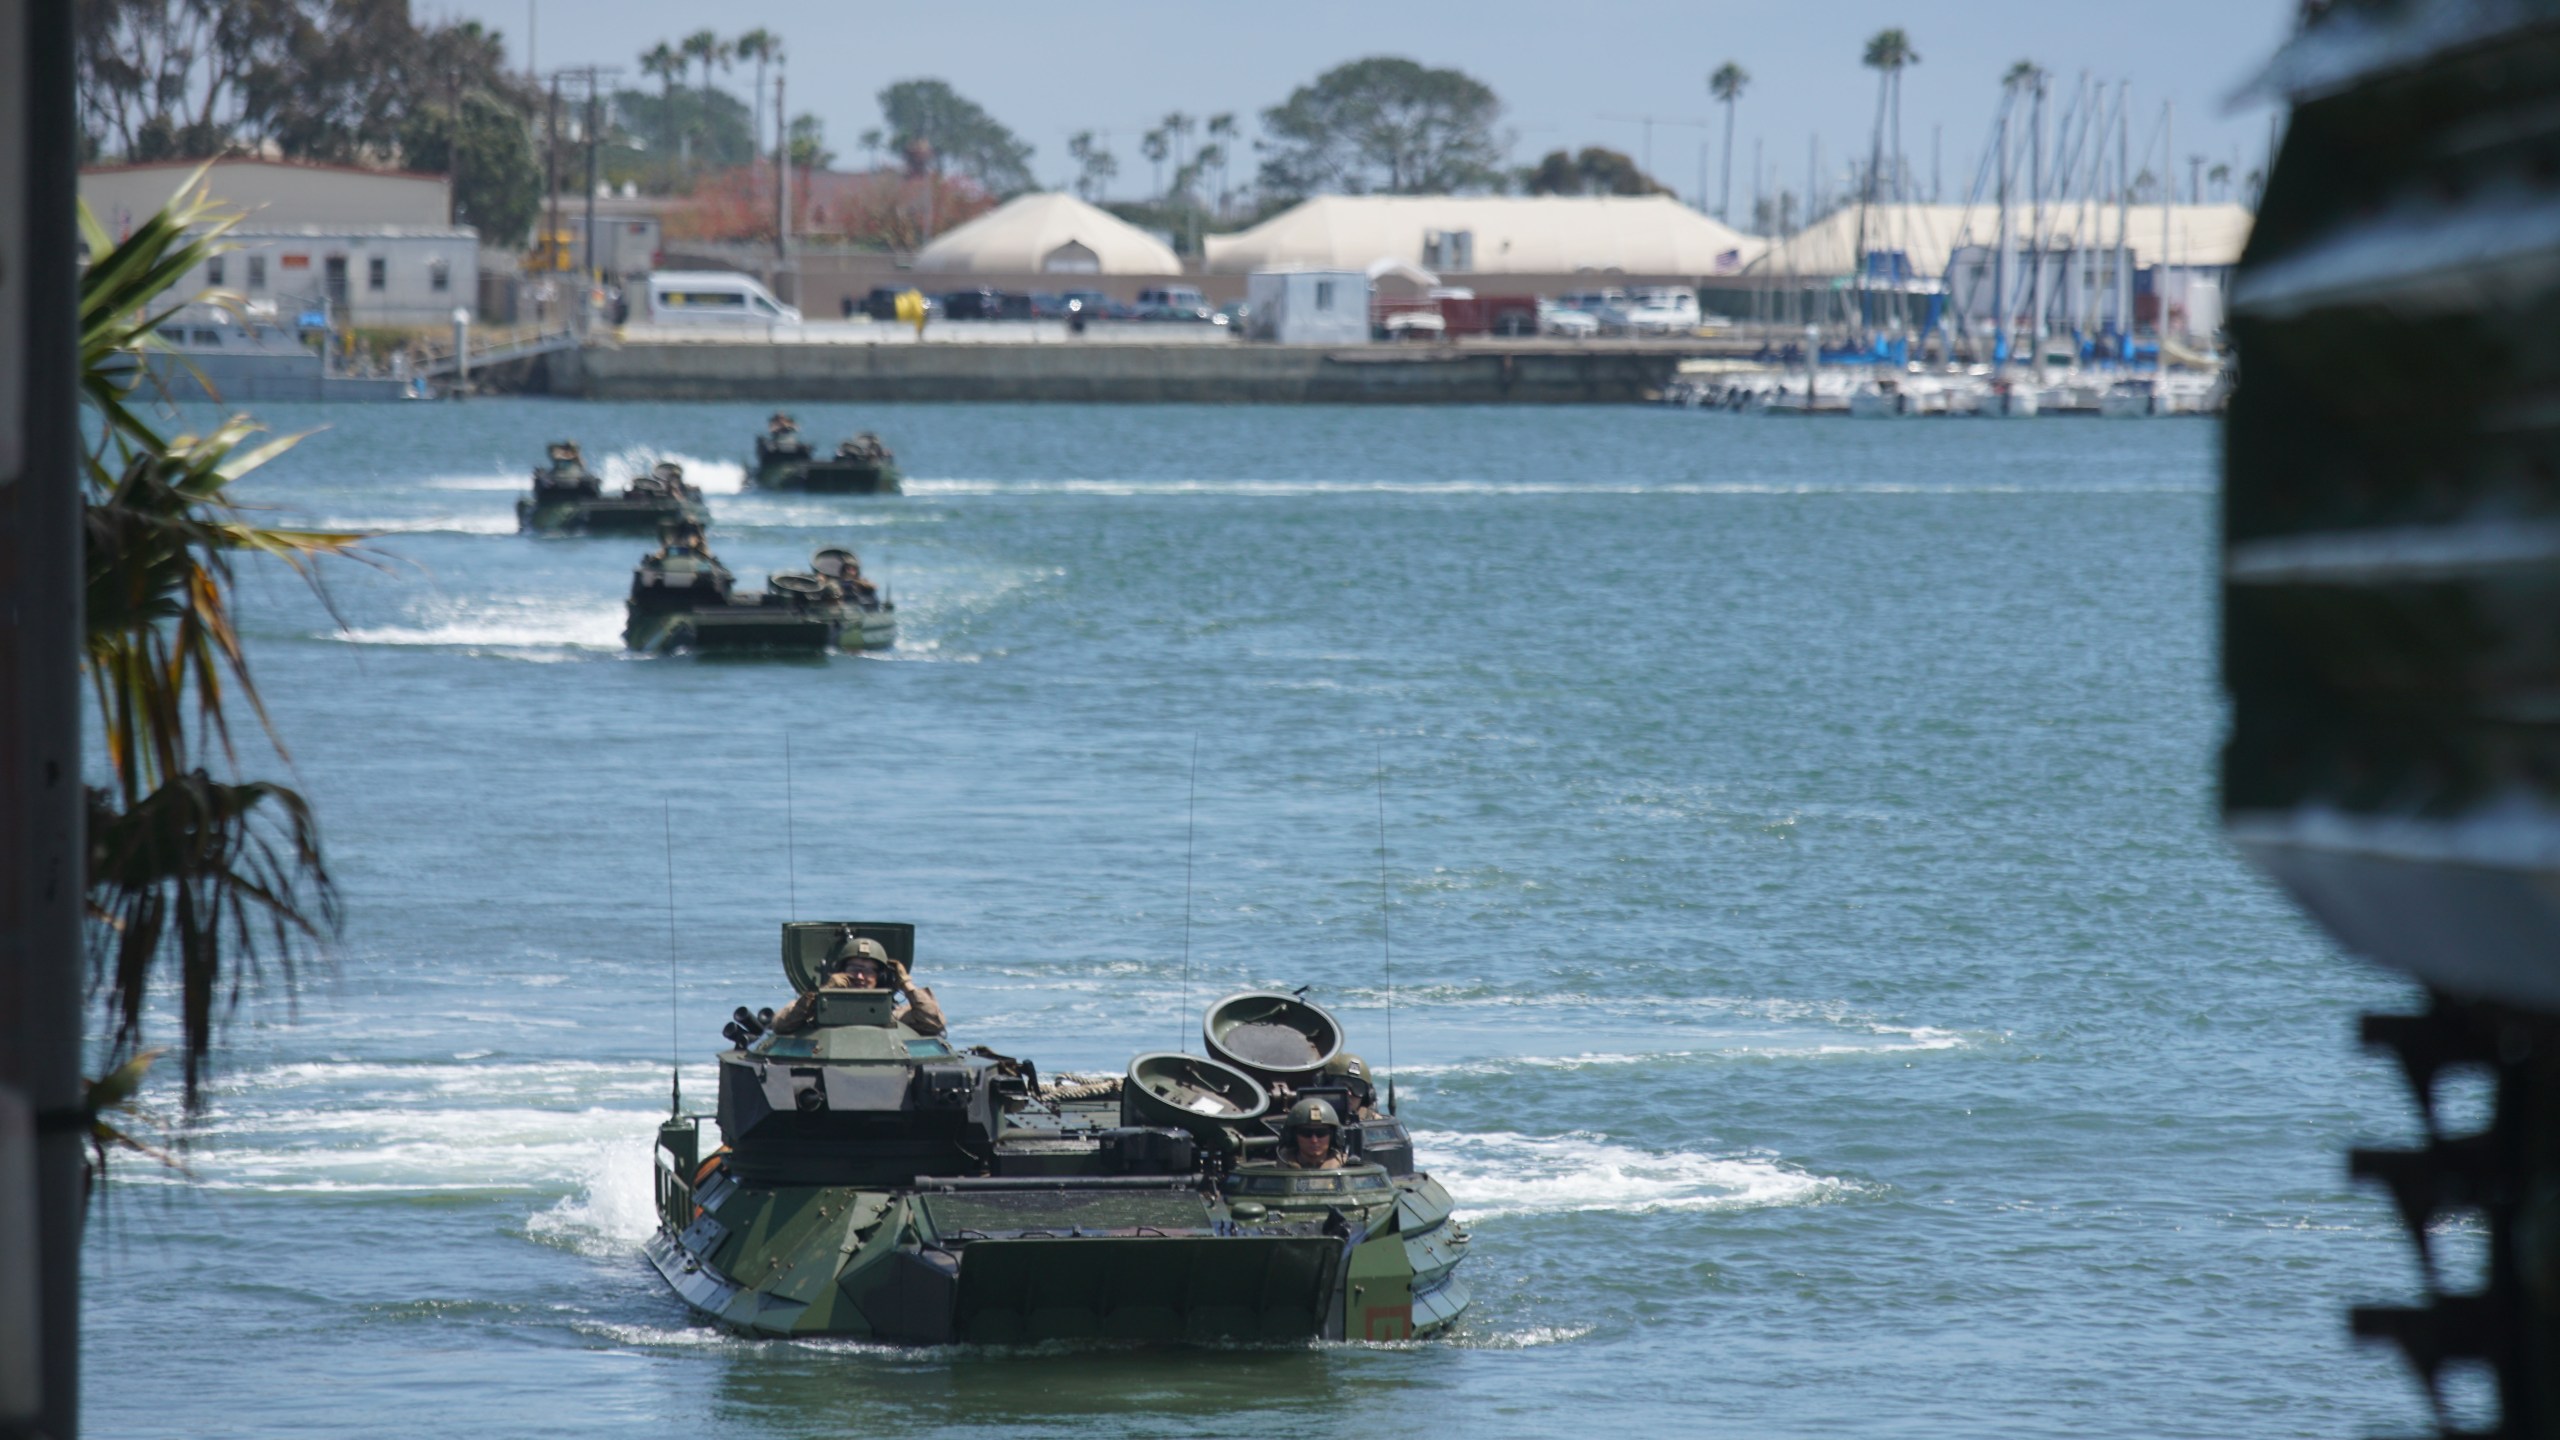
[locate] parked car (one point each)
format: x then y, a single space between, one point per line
1554 319
1095 305
882 302
1235 313
1663 310
974 305
1046 306
1175 302
1606 307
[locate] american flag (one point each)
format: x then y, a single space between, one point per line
1729 260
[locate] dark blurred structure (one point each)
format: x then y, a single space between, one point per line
2391 627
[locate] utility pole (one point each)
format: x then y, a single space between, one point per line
595 76
551 180
782 175
781 172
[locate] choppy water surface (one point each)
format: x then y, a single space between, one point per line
1818 973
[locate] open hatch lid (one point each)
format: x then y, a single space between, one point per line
805 944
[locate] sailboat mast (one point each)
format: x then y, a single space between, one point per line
2168 193
2000 249
2124 220
2036 236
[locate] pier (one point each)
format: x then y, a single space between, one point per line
1531 371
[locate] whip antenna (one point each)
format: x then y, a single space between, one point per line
790 856
675 1030
1190 833
1386 936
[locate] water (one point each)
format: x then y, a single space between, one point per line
1817 970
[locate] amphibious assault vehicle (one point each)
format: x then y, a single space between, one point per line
569 499
877 1183
859 466
684 599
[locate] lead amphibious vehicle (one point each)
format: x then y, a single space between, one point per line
683 599
876 1183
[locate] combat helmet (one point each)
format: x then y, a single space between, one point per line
850 948
1311 1114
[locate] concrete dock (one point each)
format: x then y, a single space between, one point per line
1473 373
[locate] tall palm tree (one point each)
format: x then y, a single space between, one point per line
1177 129
706 47
762 46
219 873
662 61
1154 146
1727 85
1222 132
1888 53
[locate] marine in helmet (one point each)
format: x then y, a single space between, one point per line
1312 1138
1352 1073
861 964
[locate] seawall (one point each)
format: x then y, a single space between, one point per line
1236 373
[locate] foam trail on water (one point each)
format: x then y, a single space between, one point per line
531 630
711 477
1267 488
502 522
1502 1173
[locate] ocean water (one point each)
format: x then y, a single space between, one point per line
1815 968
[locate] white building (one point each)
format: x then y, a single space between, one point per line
1308 307
383 276
1051 234
1488 235
362 247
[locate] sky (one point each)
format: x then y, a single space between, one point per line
1569 75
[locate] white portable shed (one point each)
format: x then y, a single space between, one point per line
1308 307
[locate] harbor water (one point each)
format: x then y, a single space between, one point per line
1816 970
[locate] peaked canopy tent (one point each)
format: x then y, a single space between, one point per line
2201 236
1053 234
1648 235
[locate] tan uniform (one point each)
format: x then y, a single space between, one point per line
1332 1158
919 1012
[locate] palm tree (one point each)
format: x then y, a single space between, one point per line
662 61
1153 146
707 47
1889 53
1222 130
217 872
1727 85
762 46
1178 128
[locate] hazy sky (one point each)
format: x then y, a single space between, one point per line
1563 71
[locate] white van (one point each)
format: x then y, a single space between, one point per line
714 297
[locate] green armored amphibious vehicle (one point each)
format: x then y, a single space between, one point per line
684 599
876 1183
859 466
569 499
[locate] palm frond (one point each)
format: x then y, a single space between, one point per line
219 873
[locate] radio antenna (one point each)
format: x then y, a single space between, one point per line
1190 835
675 1029
790 855
1386 935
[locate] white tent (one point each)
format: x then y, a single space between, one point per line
1489 235
1057 234
2205 236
